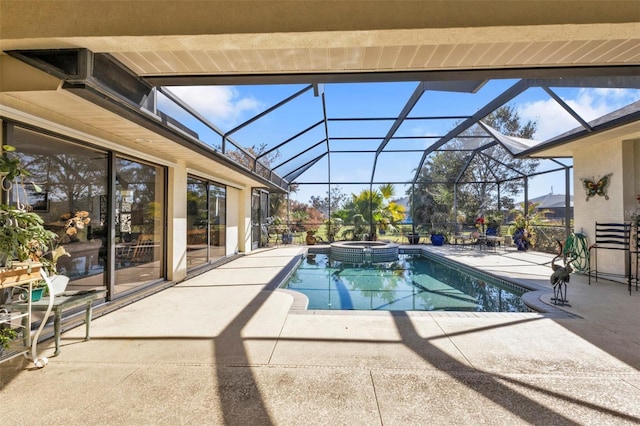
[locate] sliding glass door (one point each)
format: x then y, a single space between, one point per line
140 223
206 222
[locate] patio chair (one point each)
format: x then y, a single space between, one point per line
143 251
465 239
611 236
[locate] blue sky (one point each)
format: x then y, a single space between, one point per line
229 106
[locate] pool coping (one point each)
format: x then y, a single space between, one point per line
532 296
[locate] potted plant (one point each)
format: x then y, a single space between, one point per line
414 238
438 237
58 283
23 237
493 225
22 232
311 237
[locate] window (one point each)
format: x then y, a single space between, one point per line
206 222
73 201
139 223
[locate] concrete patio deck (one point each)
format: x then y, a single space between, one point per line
220 349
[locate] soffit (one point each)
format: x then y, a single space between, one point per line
280 37
398 50
366 51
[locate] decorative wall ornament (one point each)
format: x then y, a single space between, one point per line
597 188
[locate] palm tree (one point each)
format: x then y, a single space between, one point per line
371 211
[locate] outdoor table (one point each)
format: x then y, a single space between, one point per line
495 241
462 239
65 300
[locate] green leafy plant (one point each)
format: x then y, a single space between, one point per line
333 227
437 231
7 335
494 221
11 167
369 212
528 223
23 236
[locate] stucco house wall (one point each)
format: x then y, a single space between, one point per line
620 159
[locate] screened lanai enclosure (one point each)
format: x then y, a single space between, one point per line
384 160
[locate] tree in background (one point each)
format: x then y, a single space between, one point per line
432 199
370 212
433 195
304 217
248 156
333 201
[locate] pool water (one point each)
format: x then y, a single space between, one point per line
412 283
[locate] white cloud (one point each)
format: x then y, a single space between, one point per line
221 105
550 117
590 104
422 131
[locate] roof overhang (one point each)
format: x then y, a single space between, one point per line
621 124
124 101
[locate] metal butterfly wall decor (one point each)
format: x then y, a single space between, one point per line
597 188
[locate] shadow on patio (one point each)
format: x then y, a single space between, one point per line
223 348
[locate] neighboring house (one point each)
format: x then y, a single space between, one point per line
555 203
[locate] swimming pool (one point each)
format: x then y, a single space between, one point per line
412 283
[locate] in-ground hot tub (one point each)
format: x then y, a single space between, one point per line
364 251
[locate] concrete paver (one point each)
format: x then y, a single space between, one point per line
221 349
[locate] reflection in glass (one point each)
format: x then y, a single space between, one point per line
197 225
140 223
206 222
73 201
217 221
256 227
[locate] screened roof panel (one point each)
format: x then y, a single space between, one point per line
591 103
317 172
286 165
426 127
396 167
401 126
347 168
404 144
467 143
276 126
359 144
512 144
298 143
370 128
367 99
446 104
539 106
